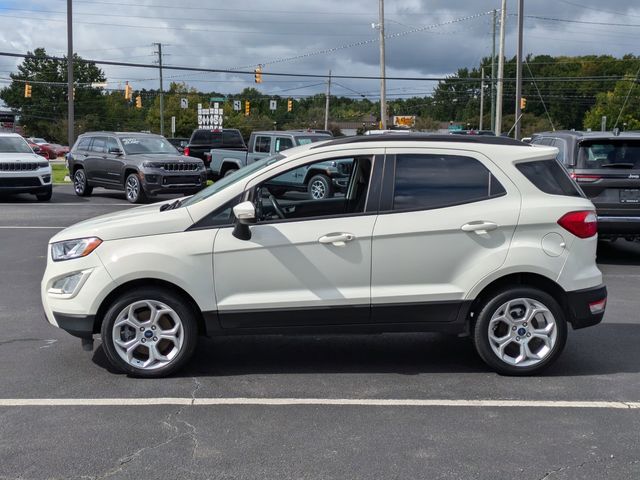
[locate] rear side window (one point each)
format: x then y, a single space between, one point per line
232 139
550 177
263 145
99 144
201 137
436 181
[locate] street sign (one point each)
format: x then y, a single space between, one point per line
237 105
184 103
405 121
273 105
455 128
216 99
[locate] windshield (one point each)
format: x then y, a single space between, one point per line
236 176
14 145
311 139
147 145
609 153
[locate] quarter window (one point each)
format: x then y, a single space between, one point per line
263 145
434 181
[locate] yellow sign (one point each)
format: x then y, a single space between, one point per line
405 121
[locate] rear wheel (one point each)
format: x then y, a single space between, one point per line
149 333
319 187
230 171
133 189
520 331
46 195
80 184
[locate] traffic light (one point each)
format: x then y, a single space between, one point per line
27 90
128 91
523 103
138 101
258 74
247 108
289 105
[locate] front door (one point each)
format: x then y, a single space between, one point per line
308 262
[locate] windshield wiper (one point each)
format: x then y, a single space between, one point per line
618 165
171 206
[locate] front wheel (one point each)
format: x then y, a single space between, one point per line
133 189
149 333
46 195
80 184
520 331
319 187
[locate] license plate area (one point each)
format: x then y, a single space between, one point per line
630 195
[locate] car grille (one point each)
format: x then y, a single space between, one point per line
20 182
345 168
18 166
181 180
181 167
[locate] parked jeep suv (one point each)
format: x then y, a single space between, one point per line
22 170
478 235
607 167
141 164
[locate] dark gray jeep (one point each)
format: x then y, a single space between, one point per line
141 164
607 167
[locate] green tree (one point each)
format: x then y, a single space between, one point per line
186 118
612 104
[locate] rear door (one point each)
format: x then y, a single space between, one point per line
261 148
92 163
446 222
608 170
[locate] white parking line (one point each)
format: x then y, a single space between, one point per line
13 227
89 204
363 402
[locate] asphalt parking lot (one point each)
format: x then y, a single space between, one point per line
386 406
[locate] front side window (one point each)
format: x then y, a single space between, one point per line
263 145
112 144
338 186
426 181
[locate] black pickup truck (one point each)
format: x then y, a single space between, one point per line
204 139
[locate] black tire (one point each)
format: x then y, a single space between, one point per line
490 306
81 185
182 308
46 195
134 190
319 187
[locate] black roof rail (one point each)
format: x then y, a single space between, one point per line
477 139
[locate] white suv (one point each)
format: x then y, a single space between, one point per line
477 235
21 170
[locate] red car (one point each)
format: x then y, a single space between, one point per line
36 148
49 150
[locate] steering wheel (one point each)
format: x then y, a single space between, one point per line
277 207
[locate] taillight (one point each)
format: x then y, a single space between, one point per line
186 151
582 224
598 307
584 178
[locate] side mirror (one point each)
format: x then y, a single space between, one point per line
245 214
116 151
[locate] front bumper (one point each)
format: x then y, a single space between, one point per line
155 182
578 306
35 181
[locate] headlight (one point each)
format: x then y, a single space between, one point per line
152 164
69 249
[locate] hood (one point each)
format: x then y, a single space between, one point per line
142 221
20 157
163 157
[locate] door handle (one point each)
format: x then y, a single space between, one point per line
337 239
479 227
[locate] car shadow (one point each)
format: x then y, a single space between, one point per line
608 348
620 252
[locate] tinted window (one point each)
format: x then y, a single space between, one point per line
283 143
98 144
232 139
84 144
609 154
263 145
550 177
201 136
435 181
221 217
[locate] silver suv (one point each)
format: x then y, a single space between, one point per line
21 170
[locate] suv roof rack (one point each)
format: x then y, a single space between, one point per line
479 139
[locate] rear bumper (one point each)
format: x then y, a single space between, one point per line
619 225
578 306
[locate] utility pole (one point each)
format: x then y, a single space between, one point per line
70 114
159 52
383 81
326 105
516 133
481 99
500 79
493 73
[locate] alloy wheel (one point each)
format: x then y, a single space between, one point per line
318 190
148 334
522 332
133 188
79 182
